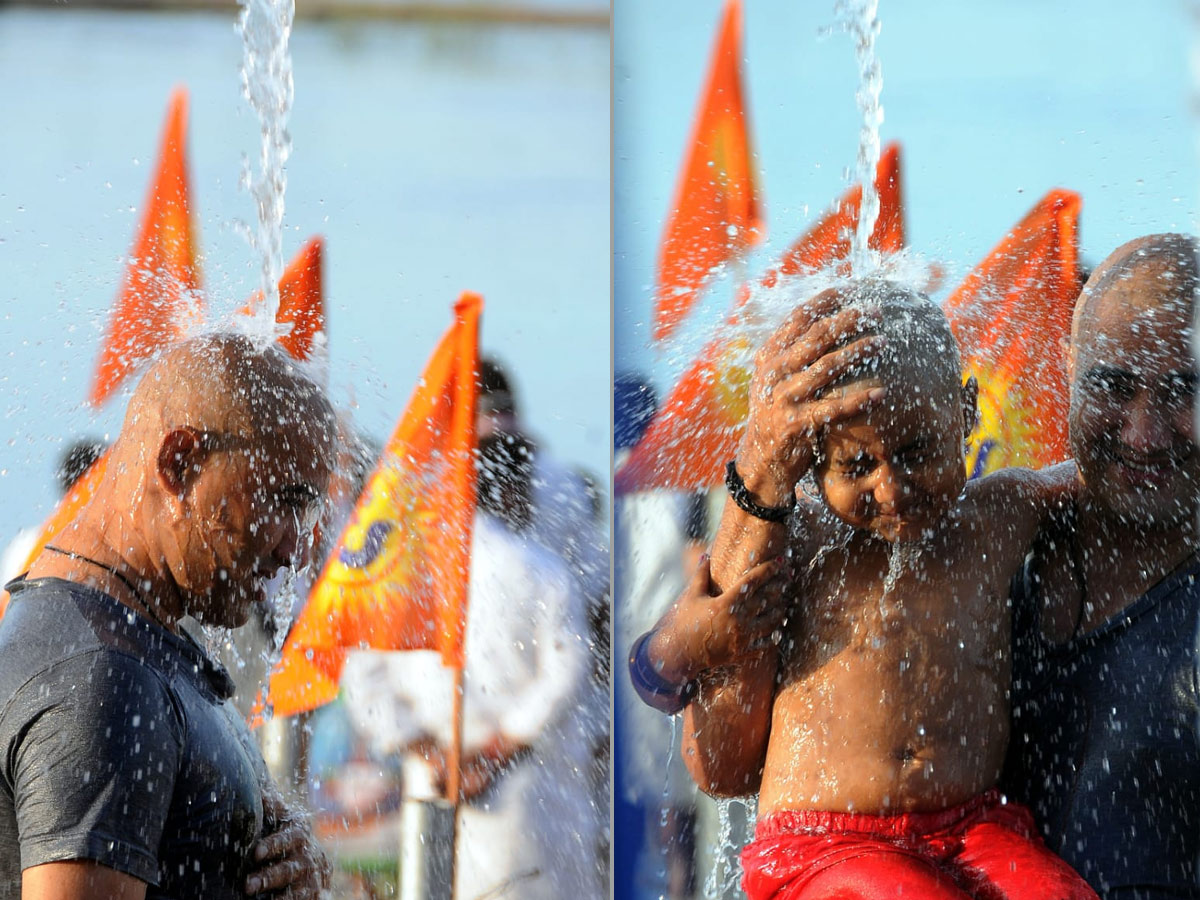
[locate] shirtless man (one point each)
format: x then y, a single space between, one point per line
875 731
125 770
1106 741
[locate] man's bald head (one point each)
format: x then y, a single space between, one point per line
1133 376
1152 272
225 384
222 465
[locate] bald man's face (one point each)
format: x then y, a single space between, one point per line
1133 382
254 507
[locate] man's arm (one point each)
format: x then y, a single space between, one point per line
1017 501
79 880
81 717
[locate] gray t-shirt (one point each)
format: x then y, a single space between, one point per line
118 744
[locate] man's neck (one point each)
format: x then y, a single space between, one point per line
112 556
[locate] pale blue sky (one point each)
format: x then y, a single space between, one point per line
994 103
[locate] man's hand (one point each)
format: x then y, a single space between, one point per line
701 632
288 859
479 770
787 406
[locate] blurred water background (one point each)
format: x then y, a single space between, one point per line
451 149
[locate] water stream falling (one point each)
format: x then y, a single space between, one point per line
266 77
861 20
724 879
903 557
265 26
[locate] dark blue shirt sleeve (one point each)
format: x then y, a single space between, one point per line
92 747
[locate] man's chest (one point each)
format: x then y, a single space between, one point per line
216 812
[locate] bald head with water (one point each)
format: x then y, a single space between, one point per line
897 468
215 479
1132 374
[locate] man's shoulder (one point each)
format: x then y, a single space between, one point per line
55 631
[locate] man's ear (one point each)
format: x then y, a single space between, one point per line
1064 347
179 456
970 405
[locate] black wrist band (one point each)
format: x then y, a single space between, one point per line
741 496
655 690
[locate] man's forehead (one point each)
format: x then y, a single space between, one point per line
1141 290
1150 339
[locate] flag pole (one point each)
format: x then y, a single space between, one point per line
466 390
454 768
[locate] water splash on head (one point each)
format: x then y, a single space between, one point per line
265 26
768 305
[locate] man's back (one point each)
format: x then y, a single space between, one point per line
119 747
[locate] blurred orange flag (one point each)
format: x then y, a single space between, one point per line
1011 316
301 299
76 498
830 238
162 280
716 211
397 578
696 432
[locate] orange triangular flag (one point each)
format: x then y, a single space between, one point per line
700 423
397 578
162 281
830 238
68 507
716 212
1011 316
301 299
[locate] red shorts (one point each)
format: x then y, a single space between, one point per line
983 849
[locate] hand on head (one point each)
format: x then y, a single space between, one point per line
814 347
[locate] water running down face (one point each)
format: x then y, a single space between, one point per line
898 469
244 451
1133 380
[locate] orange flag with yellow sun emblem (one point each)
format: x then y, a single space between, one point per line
716 211
700 423
397 577
160 291
1012 316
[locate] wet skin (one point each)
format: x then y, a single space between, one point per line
875 704
1132 429
895 700
258 502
